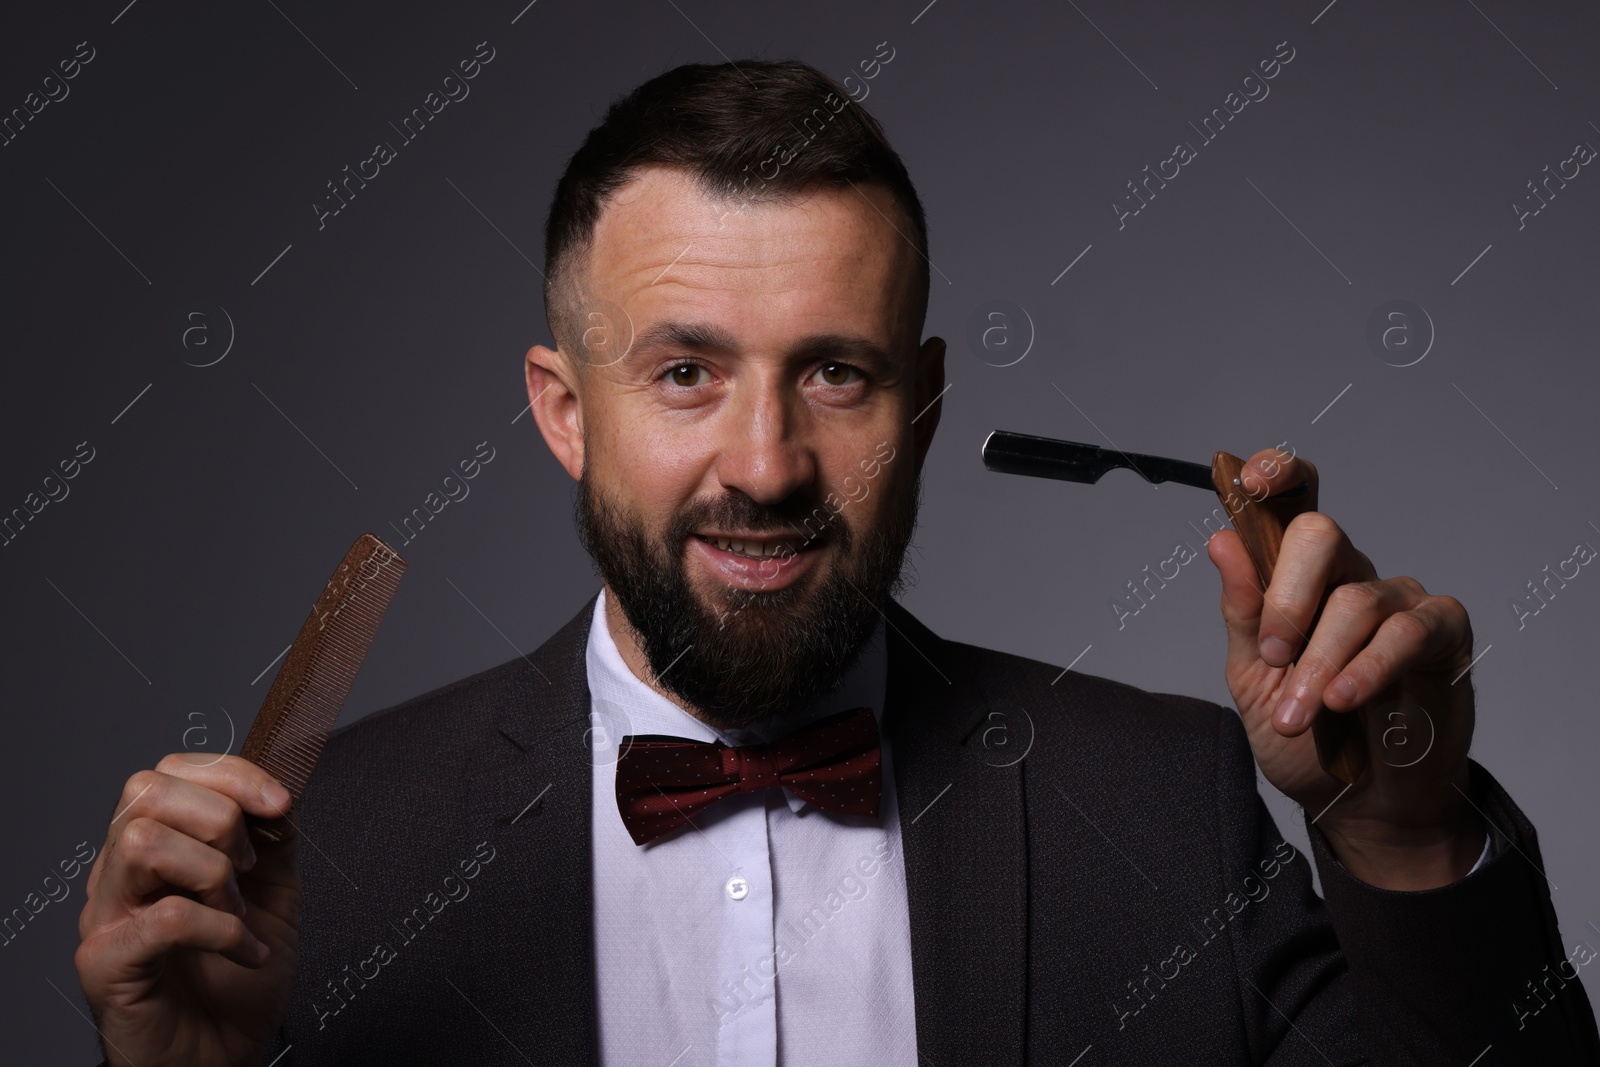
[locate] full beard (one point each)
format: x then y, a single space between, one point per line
759 652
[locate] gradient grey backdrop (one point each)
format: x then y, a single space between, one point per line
142 611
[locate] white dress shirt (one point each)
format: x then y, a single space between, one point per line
768 932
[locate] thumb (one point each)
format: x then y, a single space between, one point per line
1242 598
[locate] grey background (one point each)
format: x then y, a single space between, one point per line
376 353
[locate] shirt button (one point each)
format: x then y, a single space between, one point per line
737 888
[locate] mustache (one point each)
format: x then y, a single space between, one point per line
806 518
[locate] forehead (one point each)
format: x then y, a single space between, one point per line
828 260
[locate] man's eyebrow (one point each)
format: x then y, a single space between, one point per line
845 347
702 336
697 335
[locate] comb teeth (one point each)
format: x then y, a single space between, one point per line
309 690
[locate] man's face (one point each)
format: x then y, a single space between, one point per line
748 466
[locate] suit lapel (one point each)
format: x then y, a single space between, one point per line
531 968
963 830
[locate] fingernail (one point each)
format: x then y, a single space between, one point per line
1276 651
1344 687
276 795
1291 711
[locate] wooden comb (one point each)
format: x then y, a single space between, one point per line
298 713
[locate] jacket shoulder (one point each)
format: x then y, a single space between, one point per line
1089 704
445 728
435 721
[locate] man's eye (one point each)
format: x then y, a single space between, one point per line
685 374
837 373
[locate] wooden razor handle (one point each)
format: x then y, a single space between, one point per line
1341 738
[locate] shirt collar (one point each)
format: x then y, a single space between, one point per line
623 704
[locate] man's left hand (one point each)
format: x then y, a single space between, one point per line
1329 637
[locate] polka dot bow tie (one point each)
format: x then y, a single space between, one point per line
663 782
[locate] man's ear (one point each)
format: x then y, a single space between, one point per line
930 387
553 398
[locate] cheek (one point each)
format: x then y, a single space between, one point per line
868 484
893 487
651 471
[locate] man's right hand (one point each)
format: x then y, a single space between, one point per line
191 930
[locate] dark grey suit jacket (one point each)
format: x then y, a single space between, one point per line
1120 895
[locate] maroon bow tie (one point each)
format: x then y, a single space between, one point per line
835 763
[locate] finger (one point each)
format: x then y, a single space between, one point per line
1269 471
138 948
1308 561
1354 613
1434 635
252 788
194 808
1241 597
154 858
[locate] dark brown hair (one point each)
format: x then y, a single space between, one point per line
758 130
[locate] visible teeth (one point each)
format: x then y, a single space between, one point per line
755 549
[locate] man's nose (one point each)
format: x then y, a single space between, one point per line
765 450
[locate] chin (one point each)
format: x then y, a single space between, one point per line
754 608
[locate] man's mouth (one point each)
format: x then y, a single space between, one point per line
756 548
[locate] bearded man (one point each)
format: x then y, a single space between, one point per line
743 809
